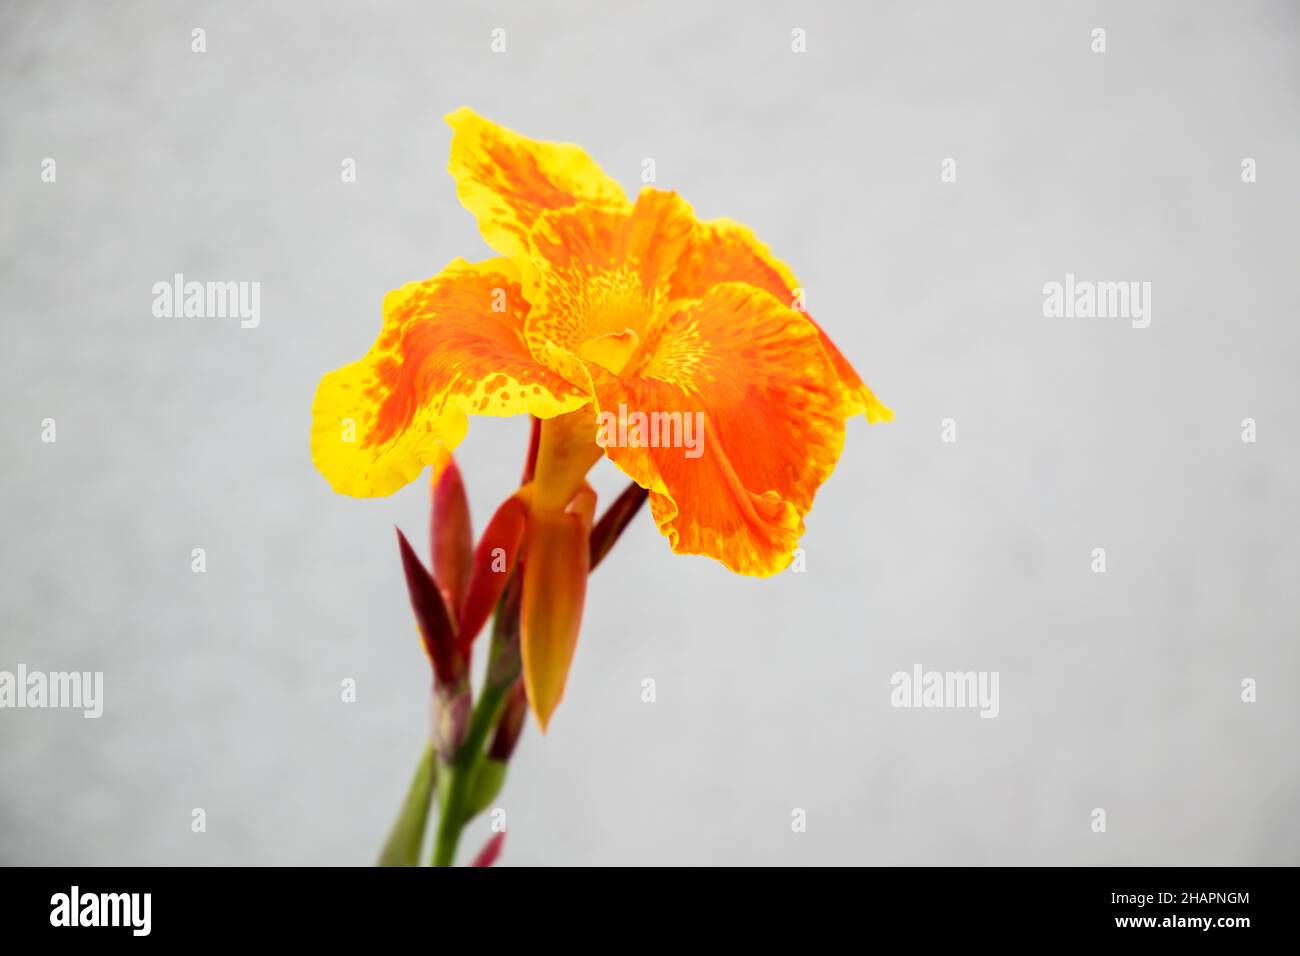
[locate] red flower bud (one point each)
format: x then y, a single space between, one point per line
436 629
494 558
491 850
451 538
510 725
615 519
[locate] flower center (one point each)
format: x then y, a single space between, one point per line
611 351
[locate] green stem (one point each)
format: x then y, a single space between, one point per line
403 846
457 777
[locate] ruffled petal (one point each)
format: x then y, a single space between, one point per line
507 180
725 251
743 378
450 346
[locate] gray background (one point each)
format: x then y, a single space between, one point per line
1118 691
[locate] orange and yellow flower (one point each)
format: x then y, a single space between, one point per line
598 303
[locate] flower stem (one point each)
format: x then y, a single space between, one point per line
457 777
403 846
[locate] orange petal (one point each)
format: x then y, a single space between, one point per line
555 588
507 180
725 251
450 346
748 376
599 278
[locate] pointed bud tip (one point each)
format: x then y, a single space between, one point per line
436 628
543 717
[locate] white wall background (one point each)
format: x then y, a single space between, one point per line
1118 691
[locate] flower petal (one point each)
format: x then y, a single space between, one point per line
601 277
725 251
747 375
507 180
555 589
450 346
